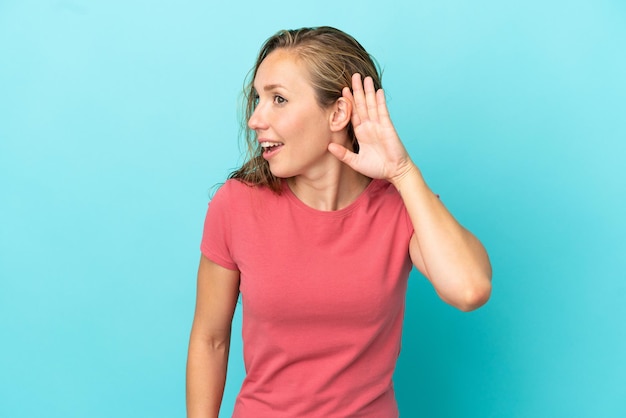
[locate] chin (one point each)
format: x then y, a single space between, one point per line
281 174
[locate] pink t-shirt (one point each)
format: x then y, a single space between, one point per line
322 296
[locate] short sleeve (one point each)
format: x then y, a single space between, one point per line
407 221
216 237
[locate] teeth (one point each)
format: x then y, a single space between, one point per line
270 144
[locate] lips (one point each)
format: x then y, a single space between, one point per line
270 148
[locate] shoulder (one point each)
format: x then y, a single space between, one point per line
386 201
235 188
232 186
383 190
238 196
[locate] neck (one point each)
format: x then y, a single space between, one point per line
331 190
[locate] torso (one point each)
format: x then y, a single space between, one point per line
323 298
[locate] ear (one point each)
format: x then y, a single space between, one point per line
340 115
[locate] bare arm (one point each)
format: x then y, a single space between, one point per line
451 257
217 293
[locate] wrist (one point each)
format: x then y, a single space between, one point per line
409 174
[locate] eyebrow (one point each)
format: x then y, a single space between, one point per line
272 87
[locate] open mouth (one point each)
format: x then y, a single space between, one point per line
270 148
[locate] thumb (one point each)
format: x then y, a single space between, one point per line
342 154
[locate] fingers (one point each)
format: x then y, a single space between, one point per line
342 154
359 99
366 99
381 101
370 98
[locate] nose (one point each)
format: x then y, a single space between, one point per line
257 120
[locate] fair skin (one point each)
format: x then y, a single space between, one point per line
288 114
207 359
308 146
450 256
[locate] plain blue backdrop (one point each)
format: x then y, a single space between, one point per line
118 118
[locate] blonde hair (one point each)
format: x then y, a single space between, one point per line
331 57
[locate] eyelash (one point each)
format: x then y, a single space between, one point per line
278 99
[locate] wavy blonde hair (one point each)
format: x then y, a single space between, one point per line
331 57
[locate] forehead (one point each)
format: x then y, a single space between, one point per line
282 68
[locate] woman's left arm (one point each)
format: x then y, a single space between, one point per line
450 256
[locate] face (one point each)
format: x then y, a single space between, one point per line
293 130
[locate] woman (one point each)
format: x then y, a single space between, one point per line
318 231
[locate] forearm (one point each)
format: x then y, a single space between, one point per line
452 258
206 376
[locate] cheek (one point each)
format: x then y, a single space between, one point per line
304 125
295 126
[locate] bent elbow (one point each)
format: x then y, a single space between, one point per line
476 296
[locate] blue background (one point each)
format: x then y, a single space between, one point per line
118 118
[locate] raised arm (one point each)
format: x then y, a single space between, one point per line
217 293
451 257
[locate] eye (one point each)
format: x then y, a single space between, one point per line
255 100
279 99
